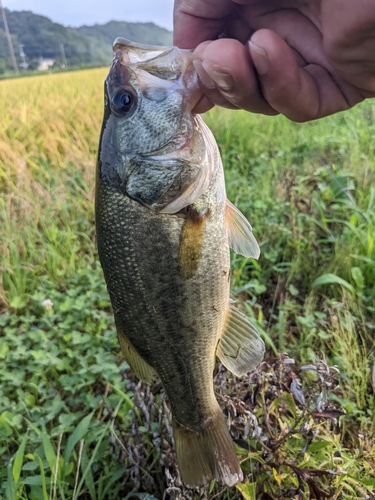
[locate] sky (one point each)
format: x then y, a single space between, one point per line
79 12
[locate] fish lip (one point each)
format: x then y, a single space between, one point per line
125 42
162 150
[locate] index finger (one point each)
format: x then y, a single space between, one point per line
196 21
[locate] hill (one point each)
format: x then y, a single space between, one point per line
42 39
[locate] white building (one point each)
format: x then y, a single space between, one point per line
44 64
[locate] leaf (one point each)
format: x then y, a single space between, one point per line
33 427
290 404
30 466
331 279
93 455
48 450
43 478
264 335
319 445
18 459
89 480
17 303
4 349
297 392
34 480
327 414
10 490
358 276
116 476
247 490
126 397
78 434
276 476
293 290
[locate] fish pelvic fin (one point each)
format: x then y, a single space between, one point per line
139 366
240 349
206 455
240 233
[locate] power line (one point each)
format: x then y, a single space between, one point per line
9 38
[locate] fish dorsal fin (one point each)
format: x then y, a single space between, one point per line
240 349
240 233
139 366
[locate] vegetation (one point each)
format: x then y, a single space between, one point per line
74 422
41 38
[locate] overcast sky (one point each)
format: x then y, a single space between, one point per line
79 12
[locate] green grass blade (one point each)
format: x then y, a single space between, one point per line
77 435
10 489
121 393
93 456
331 279
116 476
42 473
33 427
89 480
48 450
18 460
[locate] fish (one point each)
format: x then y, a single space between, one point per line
164 232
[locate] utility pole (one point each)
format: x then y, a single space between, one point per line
11 50
63 57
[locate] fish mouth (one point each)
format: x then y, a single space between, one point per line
158 71
170 65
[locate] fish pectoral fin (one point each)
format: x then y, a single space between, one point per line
240 233
139 366
240 349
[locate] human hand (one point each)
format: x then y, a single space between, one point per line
305 59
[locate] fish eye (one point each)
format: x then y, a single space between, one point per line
122 102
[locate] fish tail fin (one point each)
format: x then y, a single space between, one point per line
206 455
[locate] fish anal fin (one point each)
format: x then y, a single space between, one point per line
138 365
240 349
240 233
207 454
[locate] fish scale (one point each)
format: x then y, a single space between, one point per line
161 314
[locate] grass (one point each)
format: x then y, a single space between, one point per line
7 75
73 421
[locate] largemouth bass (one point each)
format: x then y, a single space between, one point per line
164 229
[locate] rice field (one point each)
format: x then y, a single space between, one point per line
74 422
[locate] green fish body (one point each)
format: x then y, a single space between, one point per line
164 227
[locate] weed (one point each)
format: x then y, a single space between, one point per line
73 421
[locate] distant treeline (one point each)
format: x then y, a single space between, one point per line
41 38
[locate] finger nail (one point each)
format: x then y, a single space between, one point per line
259 57
224 81
203 76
